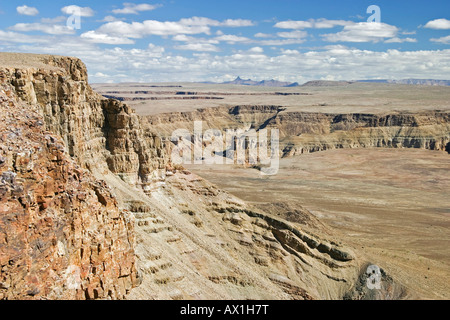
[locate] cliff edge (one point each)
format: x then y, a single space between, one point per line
91 208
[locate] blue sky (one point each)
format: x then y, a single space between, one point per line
197 40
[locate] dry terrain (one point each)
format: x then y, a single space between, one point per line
92 205
354 97
390 205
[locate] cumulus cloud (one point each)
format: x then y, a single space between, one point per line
312 23
15 37
202 21
150 27
279 42
438 24
231 38
400 40
131 8
237 23
443 40
27 11
263 35
205 47
193 25
153 64
111 19
95 37
42 27
256 50
363 32
82 11
297 34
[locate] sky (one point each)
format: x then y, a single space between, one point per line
198 40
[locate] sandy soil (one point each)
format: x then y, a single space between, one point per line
355 97
391 205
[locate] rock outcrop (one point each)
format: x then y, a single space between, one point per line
305 132
102 134
89 201
62 234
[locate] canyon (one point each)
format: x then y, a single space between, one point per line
92 207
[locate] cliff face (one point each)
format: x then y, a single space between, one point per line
102 134
305 132
62 234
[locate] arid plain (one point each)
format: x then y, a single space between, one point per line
391 205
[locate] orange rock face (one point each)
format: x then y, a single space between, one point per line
62 234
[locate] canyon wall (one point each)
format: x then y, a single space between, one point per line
62 234
305 132
102 134
90 207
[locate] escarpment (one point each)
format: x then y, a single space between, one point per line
62 233
91 207
305 132
101 133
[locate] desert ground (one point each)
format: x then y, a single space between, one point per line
390 205
353 97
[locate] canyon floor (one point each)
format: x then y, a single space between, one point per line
389 205
157 98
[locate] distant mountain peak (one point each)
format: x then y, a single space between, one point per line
262 83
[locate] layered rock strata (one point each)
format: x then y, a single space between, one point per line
87 202
62 234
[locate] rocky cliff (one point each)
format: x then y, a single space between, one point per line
62 234
102 134
305 132
90 206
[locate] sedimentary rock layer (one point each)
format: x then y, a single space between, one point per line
62 234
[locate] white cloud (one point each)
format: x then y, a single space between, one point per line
15 37
199 21
363 32
438 24
131 8
293 24
150 27
312 23
279 42
444 40
202 21
263 35
82 11
400 40
297 34
231 38
46 28
111 19
237 23
193 25
153 64
256 50
204 47
95 37
27 11
54 20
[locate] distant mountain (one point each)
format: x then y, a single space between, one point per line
425 82
326 83
263 83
